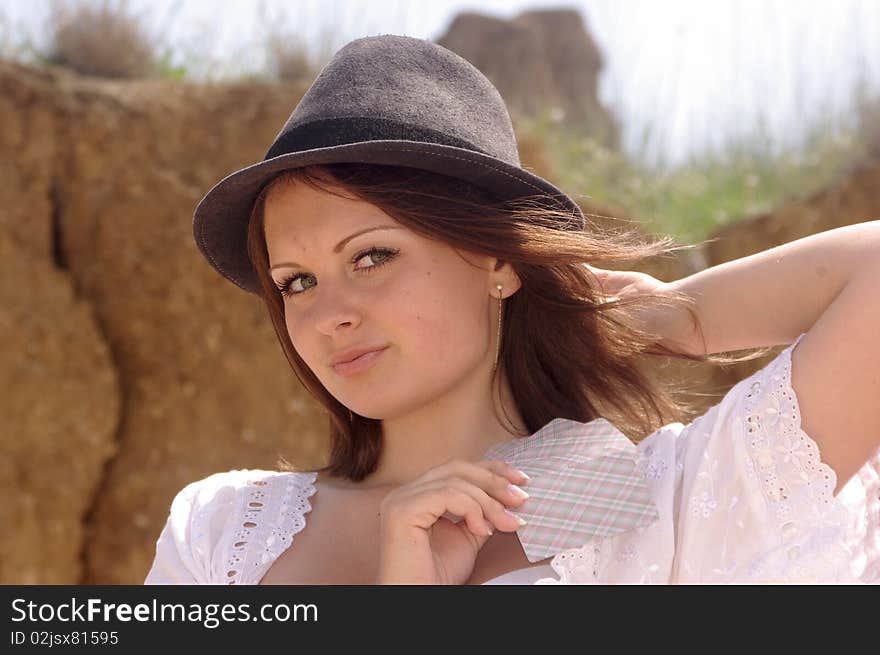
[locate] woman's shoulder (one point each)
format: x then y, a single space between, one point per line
215 492
226 523
244 492
208 487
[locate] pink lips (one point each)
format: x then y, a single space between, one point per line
358 364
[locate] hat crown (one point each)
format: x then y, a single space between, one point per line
384 100
422 90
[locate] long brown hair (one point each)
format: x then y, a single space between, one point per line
567 352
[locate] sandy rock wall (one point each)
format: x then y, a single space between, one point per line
61 393
130 368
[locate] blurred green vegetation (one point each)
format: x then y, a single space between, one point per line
166 68
712 189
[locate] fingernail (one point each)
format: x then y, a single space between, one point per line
524 475
521 520
517 491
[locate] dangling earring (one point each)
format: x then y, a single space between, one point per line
498 338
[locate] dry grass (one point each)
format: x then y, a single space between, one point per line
103 39
288 58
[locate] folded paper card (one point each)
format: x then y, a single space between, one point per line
585 482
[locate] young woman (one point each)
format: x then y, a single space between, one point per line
482 382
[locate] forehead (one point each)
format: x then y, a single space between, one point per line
293 202
295 208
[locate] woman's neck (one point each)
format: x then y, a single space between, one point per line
459 425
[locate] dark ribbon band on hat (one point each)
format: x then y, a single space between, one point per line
342 131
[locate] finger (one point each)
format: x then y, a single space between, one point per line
458 500
515 475
602 278
463 466
601 273
491 509
495 477
422 506
508 483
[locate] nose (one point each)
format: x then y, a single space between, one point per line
335 311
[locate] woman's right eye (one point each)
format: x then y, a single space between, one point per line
284 286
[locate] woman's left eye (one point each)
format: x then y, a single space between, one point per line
373 253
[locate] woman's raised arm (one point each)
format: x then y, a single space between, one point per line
771 297
827 285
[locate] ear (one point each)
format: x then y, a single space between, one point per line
503 274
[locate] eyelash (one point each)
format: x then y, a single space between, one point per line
284 286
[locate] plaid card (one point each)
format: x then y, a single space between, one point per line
584 483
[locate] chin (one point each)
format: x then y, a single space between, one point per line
379 407
368 411
367 407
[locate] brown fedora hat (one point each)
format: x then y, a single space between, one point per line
386 100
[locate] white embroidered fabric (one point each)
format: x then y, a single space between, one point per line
524 576
742 493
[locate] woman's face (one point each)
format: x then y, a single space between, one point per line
386 287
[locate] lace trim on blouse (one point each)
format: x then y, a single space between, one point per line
576 565
794 479
267 526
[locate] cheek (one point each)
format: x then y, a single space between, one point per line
306 340
436 324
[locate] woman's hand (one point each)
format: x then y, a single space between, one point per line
619 284
421 546
670 322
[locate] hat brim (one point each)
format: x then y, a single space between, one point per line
221 217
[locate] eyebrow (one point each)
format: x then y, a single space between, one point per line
341 244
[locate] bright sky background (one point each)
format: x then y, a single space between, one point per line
698 72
